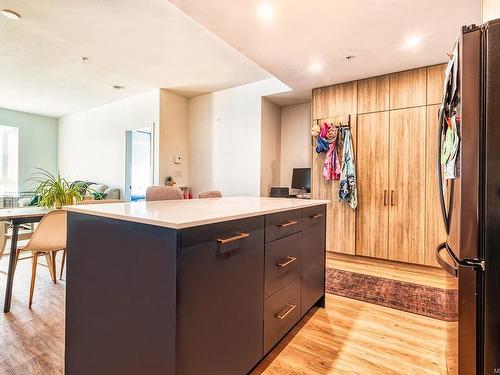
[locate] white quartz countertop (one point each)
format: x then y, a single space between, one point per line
178 214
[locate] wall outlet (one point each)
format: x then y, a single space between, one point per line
177 159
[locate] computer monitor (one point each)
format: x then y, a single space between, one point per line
301 179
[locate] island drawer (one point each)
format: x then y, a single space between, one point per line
281 312
282 224
220 297
282 262
313 256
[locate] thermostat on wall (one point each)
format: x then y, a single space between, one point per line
177 159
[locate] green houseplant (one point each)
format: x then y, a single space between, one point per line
53 191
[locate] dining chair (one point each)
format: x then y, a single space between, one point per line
25 232
210 194
163 193
48 238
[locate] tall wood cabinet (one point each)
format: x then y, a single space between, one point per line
334 103
372 225
407 184
395 122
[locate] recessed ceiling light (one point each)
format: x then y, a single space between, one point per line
10 14
315 67
413 41
117 87
265 11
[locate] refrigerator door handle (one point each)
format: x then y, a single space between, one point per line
452 269
440 170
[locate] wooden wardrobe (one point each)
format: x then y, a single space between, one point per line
394 127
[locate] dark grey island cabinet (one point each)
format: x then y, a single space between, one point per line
209 297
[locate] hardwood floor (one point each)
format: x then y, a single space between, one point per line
348 337
411 273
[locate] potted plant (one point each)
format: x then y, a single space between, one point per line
169 181
53 191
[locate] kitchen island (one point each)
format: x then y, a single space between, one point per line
204 286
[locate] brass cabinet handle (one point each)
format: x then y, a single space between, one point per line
393 198
286 262
385 197
240 236
283 314
315 216
288 223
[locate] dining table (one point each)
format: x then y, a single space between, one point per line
16 217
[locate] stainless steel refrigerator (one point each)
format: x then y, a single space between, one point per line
469 178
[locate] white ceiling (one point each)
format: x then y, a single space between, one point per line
147 44
139 44
326 31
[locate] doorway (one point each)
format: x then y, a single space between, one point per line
138 163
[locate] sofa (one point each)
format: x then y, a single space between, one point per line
92 190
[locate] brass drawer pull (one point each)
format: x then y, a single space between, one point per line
289 308
286 262
288 223
315 216
393 198
240 236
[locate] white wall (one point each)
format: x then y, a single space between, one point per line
295 140
37 143
173 138
490 10
270 147
92 142
225 138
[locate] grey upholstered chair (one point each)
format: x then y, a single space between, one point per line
163 193
210 194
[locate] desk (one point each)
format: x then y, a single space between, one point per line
17 216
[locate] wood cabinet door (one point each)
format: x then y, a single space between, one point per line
335 103
435 82
407 185
373 94
435 232
372 222
408 89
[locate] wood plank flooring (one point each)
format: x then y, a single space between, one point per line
410 273
348 337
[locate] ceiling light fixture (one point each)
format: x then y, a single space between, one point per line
117 87
315 67
413 42
84 59
349 58
265 11
10 14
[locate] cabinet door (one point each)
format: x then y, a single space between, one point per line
407 185
220 298
435 81
373 184
313 257
373 94
336 103
434 227
408 89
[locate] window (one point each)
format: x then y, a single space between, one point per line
9 149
